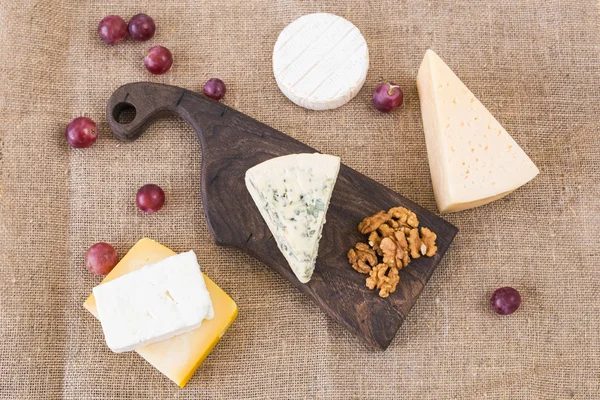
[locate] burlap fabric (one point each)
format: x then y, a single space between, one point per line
535 64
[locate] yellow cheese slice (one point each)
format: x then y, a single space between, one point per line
180 356
473 160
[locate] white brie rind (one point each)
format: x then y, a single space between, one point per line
320 61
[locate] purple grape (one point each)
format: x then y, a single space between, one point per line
112 29
101 258
505 300
150 198
387 97
214 88
141 27
158 60
81 132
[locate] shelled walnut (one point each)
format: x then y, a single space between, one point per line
394 239
362 258
385 283
375 242
404 216
428 240
414 243
373 222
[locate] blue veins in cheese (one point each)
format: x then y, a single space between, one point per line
292 194
153 303
472 159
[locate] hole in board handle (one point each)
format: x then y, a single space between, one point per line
124 113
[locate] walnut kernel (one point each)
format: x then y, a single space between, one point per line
375 279
385 230
404 216
362 258
373 222
402 246
414 243
428 238
374 242
390 283
385 283
388 247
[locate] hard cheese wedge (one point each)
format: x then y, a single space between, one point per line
180 356
473 160
292 194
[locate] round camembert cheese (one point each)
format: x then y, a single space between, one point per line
320 61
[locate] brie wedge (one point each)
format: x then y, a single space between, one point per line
472 159
292 194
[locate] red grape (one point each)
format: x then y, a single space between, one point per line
101 258
158 60
214 88
150 198
112 29
141 27
505 300
387 97
81 132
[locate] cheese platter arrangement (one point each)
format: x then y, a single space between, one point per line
362 252
232 145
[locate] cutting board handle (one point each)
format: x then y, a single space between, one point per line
152 101
207 117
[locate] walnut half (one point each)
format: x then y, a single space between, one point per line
375 241
390 284
373 222
414 243
428 241
385 283
362 258
404 216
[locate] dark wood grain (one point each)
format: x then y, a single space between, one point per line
232 143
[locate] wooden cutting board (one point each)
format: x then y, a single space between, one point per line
232 143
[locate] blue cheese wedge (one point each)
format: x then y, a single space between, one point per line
473 160
292 194
153 303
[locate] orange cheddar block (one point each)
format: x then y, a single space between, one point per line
180 356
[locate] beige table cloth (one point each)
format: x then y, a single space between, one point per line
534 64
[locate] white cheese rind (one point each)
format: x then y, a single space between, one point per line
153 303
320 61
292 194
472 159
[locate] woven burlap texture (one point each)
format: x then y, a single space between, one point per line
535 64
